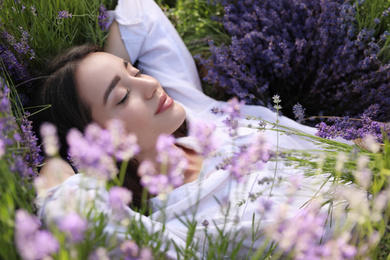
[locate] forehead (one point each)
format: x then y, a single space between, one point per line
94 75
96 63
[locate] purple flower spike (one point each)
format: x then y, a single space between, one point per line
172 165
249 159
31 242
203 133
154 182
125 145
5 105
50 139
103 18
90 156
64 15
34 158
2 148
299 112
119 197
172 158
129 249
74 226
233 109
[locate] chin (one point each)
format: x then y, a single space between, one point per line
179 112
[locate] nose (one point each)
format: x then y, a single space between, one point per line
150 87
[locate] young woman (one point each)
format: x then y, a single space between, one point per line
88 85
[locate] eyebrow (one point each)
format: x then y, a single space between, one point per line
113 84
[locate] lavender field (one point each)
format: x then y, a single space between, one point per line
323 63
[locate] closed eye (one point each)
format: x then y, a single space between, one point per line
124 98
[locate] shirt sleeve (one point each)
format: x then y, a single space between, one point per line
155 46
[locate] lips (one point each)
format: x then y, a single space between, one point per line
165 103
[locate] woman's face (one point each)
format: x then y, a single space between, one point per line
113 88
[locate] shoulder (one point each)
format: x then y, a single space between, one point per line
55 171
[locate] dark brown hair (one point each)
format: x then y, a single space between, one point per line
67 110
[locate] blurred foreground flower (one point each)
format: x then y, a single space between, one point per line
172 165
94 152
203 134
119 199
50 139
74 226
302 235
31 242
131 251
233 109
250 159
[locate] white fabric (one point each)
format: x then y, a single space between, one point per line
160 52
201 197
80 193
152 41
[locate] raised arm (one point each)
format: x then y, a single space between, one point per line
147 36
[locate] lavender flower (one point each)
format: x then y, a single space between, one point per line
2 148
354 129
172 166
119 198
205 223
154 182
33 158
171 157
276 100
305 50
95 151
5 105
103 18
301 234
74 227
92 154
233 109
22 47
129 249
250 158
64 15
338 249
33 10
50 139
265 205
216 111
31 242
19 165
299 112
363 174
203 133
99 254
14 64
145 254
125 145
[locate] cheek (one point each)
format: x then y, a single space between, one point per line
135 122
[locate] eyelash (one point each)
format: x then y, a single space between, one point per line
124 98
138 73
128 91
